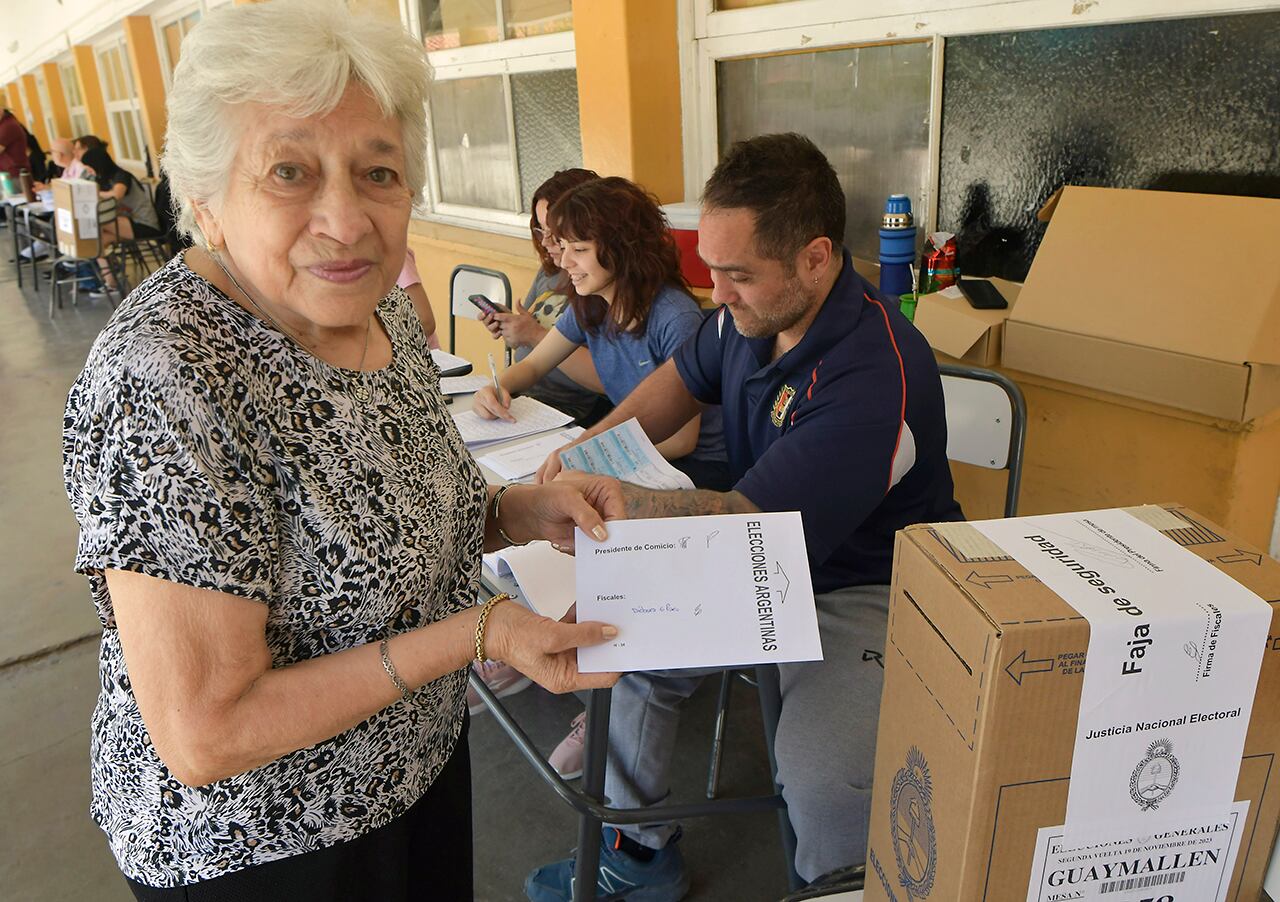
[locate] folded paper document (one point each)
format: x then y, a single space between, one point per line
626 454
698 592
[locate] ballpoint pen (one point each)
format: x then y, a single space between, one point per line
497 388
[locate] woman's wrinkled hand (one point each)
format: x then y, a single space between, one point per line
552 511
546 650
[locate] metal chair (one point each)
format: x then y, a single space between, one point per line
466 280
986 427
69 265
29 228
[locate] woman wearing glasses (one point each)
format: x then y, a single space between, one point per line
573 386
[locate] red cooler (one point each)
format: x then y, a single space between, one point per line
684 226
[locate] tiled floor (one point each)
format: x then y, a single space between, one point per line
50 850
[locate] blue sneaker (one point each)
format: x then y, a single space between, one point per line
662 879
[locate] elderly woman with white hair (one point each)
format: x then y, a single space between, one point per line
280 524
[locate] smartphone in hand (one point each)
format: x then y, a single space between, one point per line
982 295
487 306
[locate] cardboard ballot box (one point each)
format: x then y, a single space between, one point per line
75 216
984 670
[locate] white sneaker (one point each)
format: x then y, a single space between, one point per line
566 758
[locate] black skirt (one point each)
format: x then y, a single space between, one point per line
425 854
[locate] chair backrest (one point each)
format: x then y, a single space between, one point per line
467 280
986 423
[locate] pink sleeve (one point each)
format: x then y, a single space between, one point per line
409 273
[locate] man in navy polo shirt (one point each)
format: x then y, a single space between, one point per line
832 406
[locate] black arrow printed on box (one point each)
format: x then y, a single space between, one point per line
1020 666
1241 557
987 581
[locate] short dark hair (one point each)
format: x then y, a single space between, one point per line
89 142
790 186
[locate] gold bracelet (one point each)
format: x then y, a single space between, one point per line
483 621
405 692
497 499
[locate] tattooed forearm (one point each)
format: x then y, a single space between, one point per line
643 503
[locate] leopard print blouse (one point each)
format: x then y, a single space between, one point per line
202 446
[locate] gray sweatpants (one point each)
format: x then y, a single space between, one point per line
826 735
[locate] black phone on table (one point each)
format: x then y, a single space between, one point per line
484 305
982 295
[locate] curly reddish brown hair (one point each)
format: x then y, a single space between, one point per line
554 188
633 241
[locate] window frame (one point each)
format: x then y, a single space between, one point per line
131 105
504 58
173 14
706 36
46 104
69 74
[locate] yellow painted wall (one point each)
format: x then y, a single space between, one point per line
148 78
14 101
629 91
439 248
91 90
57 99
36 111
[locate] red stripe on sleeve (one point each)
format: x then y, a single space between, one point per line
902 370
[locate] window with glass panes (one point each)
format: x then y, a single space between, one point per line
46 107
504 104
76 110
171 35
867 102
121 102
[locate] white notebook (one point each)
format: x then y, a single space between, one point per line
532 417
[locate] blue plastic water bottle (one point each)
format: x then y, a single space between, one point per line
897 246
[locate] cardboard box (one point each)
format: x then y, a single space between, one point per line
75 216
1088 449
959 332
984 667
1166 297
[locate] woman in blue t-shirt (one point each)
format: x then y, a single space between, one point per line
631 308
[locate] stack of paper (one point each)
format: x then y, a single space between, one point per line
450 364
463 385
522 461
698 592
626 454
545 576
532 417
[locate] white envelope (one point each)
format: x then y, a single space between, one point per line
710 591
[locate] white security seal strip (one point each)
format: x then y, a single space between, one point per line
1175 648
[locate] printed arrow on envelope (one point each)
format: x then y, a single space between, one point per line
782 596
987 581
1241 556
1024 666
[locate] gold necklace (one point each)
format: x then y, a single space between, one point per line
361 391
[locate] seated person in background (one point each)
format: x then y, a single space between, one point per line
832 406
81 146
630 307
411 283
62 156
138 217
573 387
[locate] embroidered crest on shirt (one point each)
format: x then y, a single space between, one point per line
781 403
